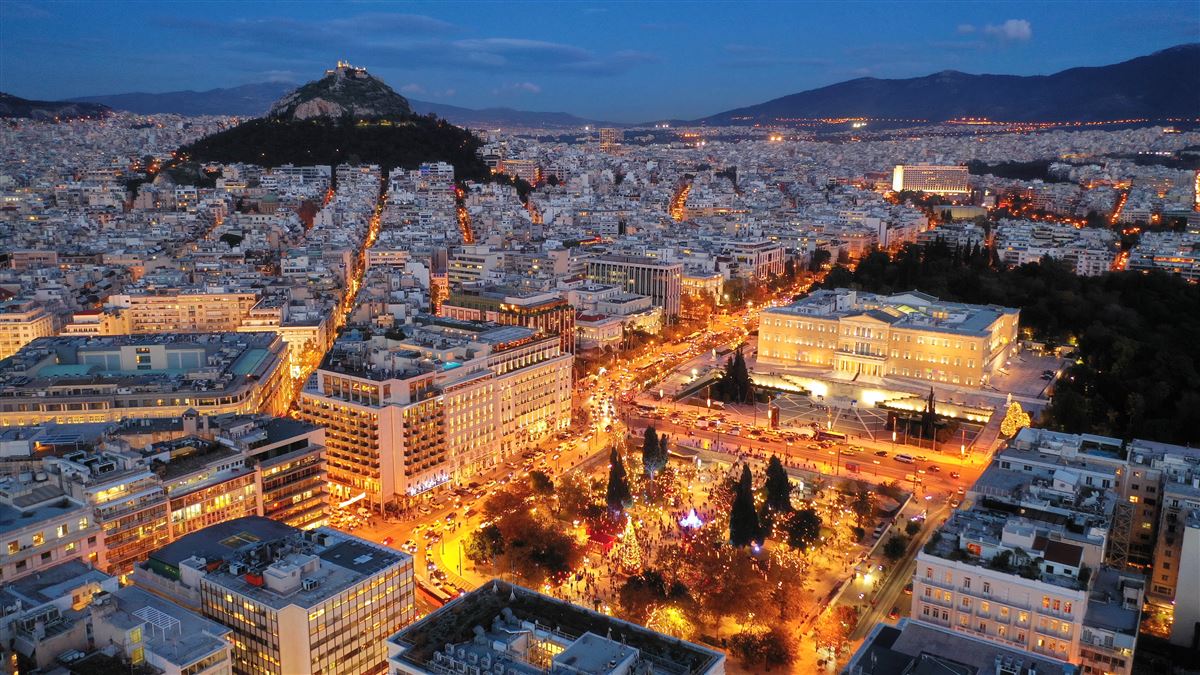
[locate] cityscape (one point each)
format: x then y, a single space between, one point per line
326 349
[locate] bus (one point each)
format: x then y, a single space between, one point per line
835 436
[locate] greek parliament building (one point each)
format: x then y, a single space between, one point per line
940 180
429 404
909 335
73 379
662 281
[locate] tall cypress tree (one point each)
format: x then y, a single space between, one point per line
778 487
650 445
743 518
618 494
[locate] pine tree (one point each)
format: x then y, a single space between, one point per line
650 449
743 518
778 487
618 494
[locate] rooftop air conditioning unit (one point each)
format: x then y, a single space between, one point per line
236 569
309 583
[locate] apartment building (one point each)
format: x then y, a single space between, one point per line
449 400
935 179
758 260
1089 251
915 647
1158 503
76 616
516 630
218 469
662 281
473 263
910 336
71 379
316 601
1023 566
184 310
544 312
22 322
41 526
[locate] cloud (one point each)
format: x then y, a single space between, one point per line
1013 30
965 28
518 88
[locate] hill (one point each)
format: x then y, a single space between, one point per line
14 106
346 116
345 92
248 100
1162 84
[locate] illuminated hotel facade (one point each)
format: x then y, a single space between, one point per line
940 180
451 399
546 313
910 336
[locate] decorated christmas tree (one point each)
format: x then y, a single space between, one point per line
629 551
1014 420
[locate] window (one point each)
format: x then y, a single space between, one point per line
987 587
966 582
13 547
38 538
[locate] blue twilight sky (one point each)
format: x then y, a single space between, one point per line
635 61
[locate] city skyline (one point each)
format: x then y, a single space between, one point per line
668 60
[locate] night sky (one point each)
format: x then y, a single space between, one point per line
611 61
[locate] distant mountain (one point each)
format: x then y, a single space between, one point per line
248 100
346 116
14 106
1162 84
254 100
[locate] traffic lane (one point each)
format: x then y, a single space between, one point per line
888 468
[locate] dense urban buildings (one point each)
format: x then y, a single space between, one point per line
938 180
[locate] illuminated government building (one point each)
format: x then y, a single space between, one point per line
71 379
910 335
432 403
940 180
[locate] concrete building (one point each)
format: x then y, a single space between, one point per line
97 379
935 179
545 312
22 322
516 630
447 401
1023 566
912 647
297 602
178 311
662 281
907 335
40 527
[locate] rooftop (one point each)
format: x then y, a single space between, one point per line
911 309
912 648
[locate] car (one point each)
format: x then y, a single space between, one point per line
961 491
881 453
894 614
908 588
955 475
920 470
387 541
934 468
954 503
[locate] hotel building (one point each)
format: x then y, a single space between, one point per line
298 602
910 336
22 322
935 179
516 630
662 281
99 379
449 400
546 313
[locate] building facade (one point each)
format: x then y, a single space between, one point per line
906 335
22 323
546 313
662 281
936 179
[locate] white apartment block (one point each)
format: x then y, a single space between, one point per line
22 322
942 180
1089 251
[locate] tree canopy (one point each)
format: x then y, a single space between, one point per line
743 518
618 495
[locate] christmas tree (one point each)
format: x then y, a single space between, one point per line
1014 420
629 551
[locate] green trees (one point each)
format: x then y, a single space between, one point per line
541 484
485 544
743 518
863 506
895 547
803 529
735 385
654 452
618 495
778 487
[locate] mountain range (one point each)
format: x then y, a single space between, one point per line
14 106
1160 85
